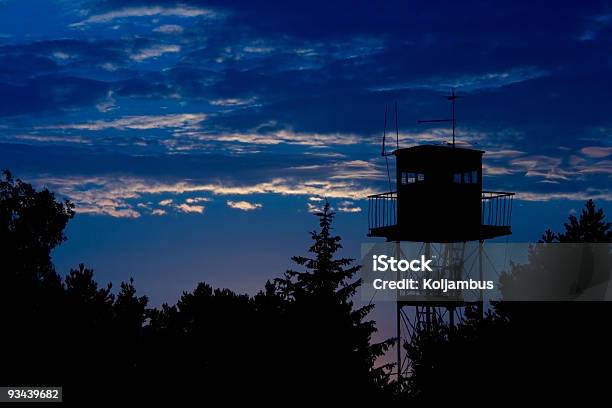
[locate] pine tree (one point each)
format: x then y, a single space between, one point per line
590 227
333 341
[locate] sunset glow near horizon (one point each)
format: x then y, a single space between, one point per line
195 138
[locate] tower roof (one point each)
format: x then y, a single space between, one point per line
429 149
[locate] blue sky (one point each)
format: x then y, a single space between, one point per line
196 137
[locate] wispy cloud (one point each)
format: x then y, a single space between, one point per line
547 167
595 24
346 169
603 195
348 207
155 51
232 101
52 139
491 170
278 137
137 122
169 29
503 153
314 208
596 152
130 12
357 169
469 81
600 167
107 104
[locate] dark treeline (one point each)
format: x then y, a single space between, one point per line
519 351
300 339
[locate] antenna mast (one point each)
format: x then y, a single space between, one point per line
384 148
396 128
452 97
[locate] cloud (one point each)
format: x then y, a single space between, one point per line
596 152
258 50
158 211
52 139
547 167
116 196
604 195
107 104
357 169
348 207
61 55
186 208
466 137
189 206
346 169
490 170
243 205
109 66
137 122
169 29
502 154
595 24
195 200
469 81
312 92
600 167
313 208
232 101
129 12
155 51
279 137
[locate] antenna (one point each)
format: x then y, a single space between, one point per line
396 128
383 153
452 97
383 150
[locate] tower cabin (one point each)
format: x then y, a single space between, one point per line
439 198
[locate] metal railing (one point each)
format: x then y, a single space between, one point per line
382 210
496 208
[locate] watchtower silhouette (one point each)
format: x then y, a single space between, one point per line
438 201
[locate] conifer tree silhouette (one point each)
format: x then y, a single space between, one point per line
589 227
333 350
521 348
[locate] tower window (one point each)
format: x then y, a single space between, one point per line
411 178
468 177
